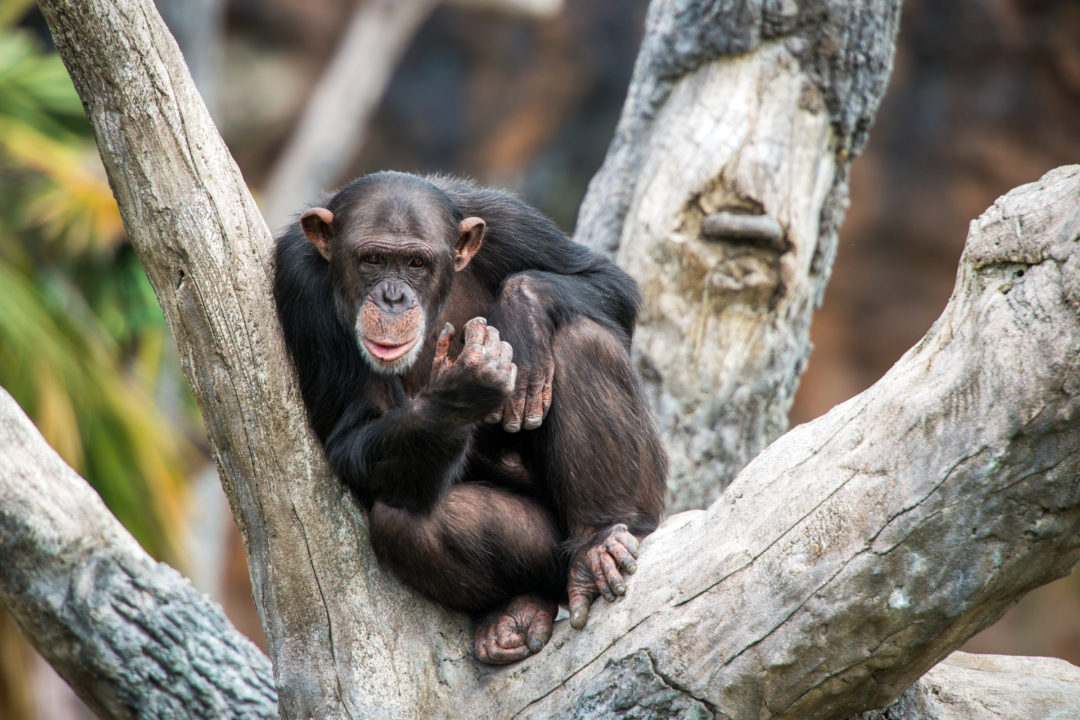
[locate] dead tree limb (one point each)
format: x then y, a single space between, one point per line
336 117
845 560
741 111
130 635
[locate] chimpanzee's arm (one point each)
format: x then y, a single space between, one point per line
410 455
406 458
518 238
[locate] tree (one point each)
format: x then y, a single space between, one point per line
840 565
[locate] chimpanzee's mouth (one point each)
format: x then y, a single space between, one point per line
388 353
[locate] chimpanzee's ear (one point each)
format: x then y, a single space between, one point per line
318 226
470 236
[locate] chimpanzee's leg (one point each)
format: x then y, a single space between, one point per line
600 454
484 550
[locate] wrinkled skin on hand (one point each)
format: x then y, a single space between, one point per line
599 571
513 633
523 311
485 360
531 398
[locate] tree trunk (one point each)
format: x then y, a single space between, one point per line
737 108
846 560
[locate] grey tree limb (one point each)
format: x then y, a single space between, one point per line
845 561
754 107
130 635
342 636
860 549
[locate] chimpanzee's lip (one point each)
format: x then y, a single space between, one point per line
388 353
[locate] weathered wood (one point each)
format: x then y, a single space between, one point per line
339 110
844 561
747 105
343 637
860 549
130 635
336 116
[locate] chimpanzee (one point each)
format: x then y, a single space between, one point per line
507 468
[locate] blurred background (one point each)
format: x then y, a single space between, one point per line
523 94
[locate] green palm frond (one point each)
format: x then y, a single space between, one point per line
83 345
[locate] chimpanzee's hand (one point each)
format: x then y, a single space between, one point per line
599 570
482 376
522 310
528 404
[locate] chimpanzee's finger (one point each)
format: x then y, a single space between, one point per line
620 533
622 555
612 575
539 631
599 576
498 655
514 408
512 378
442 349
579 608
548 382
508 635
534 403
492 346
495 652
475 332
506 355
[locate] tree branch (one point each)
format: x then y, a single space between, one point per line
843 562
989 687
861 548
132 637
336 648
337 116
749 107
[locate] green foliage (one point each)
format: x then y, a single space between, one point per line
83 345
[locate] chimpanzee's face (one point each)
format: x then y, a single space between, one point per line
391 266
391 289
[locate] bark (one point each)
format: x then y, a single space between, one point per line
845 561
132 637
739 107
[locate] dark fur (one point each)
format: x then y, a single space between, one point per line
465 512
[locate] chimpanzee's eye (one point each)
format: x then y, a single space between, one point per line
371 259
416 262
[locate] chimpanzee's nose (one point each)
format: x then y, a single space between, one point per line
393 293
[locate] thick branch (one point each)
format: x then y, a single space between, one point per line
336 118
336 648
736 106
130 635
847 559
858 550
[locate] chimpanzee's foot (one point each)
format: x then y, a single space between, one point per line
599 571
516 631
